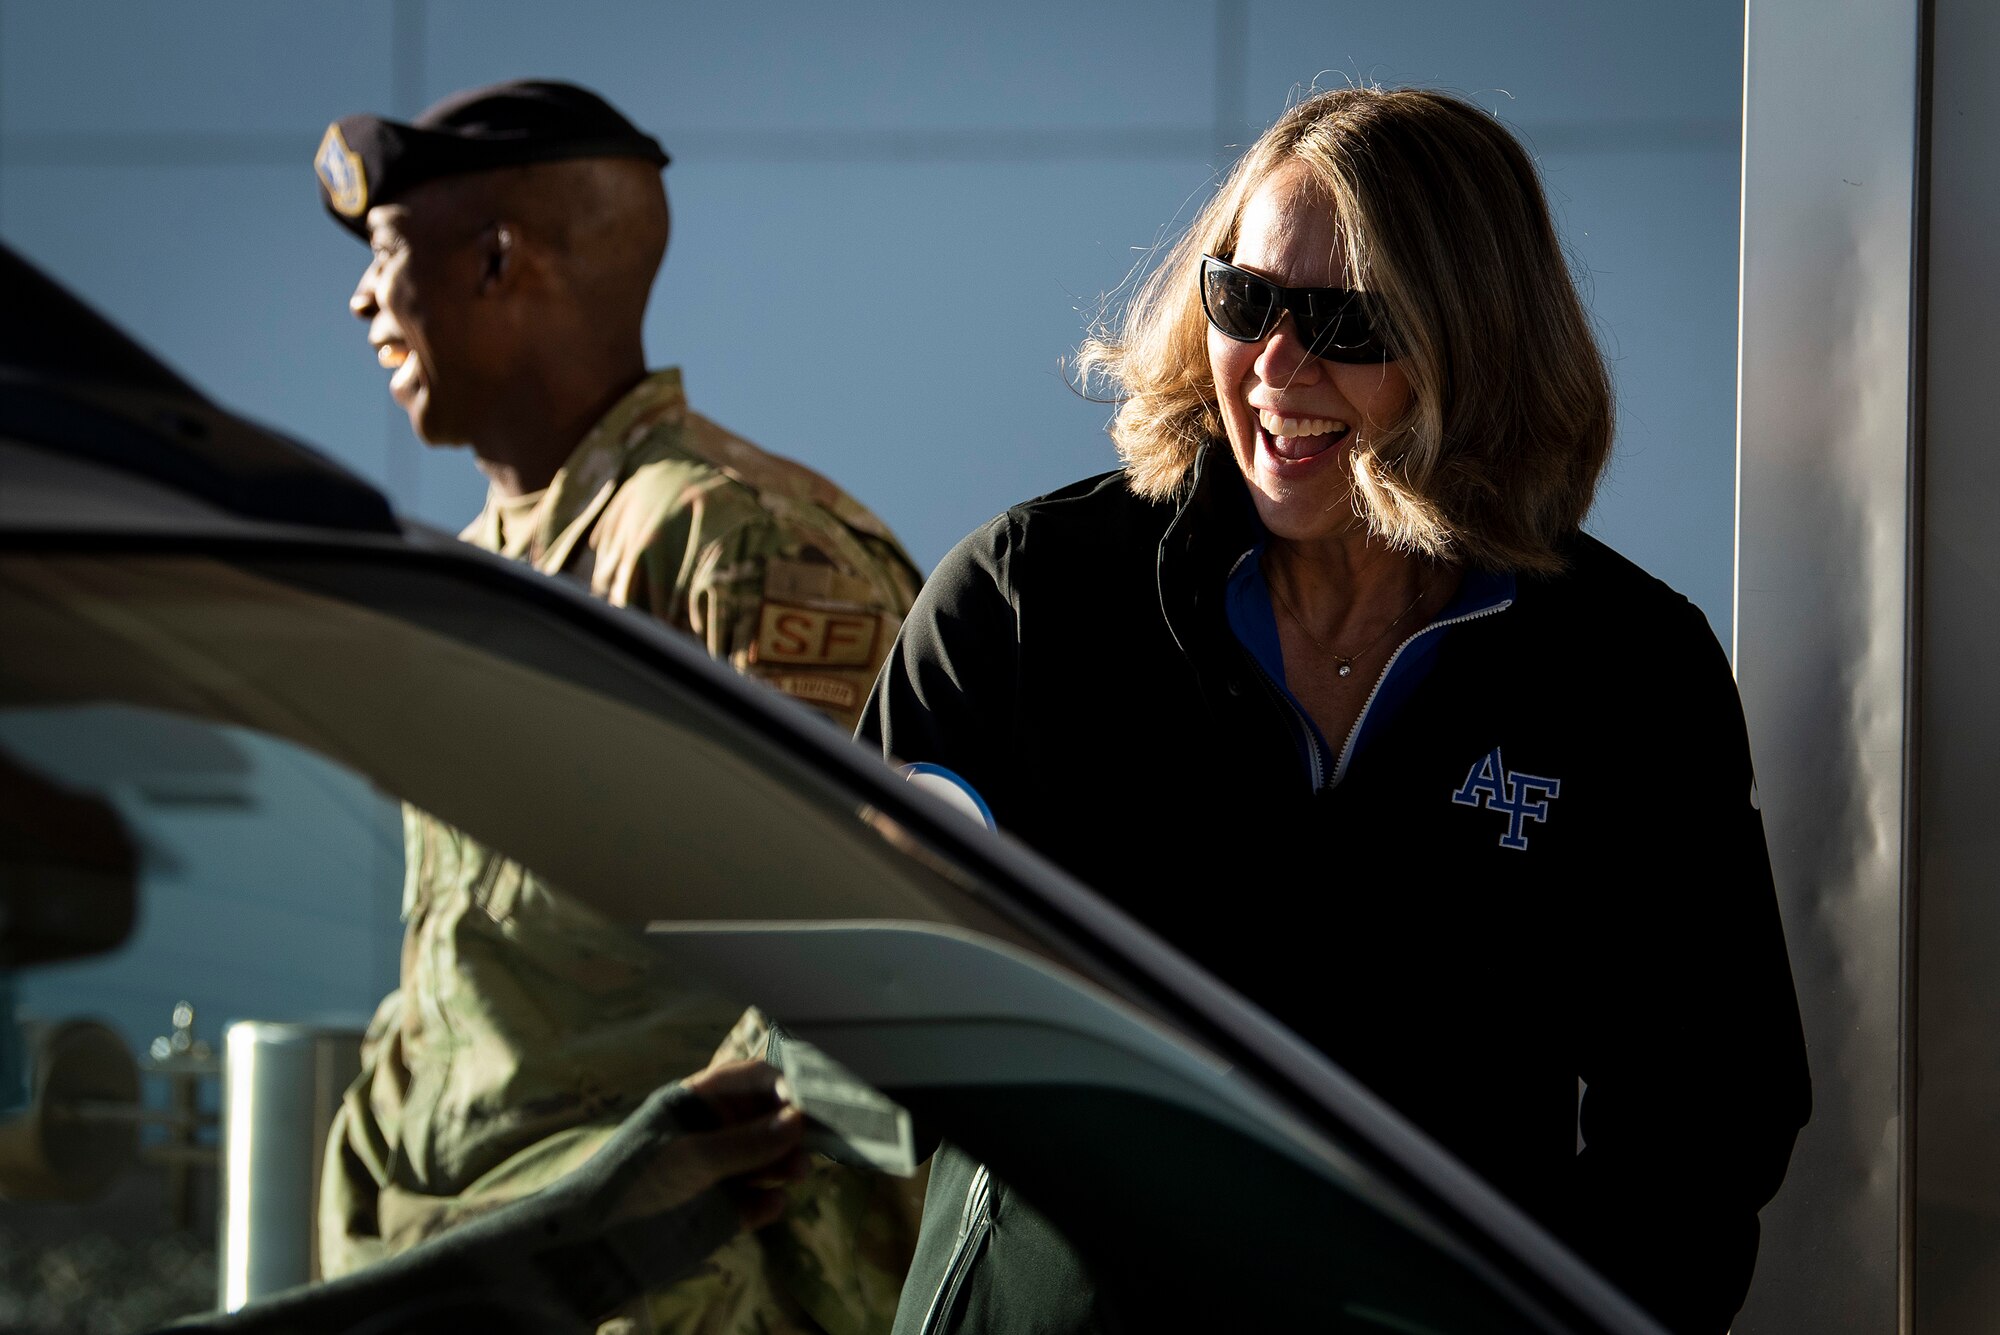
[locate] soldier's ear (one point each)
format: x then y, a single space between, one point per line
500 257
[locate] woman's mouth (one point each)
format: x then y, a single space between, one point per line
1297 439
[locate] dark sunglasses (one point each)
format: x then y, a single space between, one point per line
1332 321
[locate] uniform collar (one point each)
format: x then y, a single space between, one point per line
584 484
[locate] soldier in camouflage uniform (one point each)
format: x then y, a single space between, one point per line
527 1025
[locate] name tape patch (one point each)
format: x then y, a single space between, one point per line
829 691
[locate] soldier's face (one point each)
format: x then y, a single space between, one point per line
1292 418
421 296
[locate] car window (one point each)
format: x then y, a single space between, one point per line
262 862
258 727
1196 1201
637 796
269 881
266 696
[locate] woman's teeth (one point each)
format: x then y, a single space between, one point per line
391 355
1300 426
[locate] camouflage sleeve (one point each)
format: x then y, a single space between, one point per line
833 1265
797 599
841 1251
734 1291
358 1152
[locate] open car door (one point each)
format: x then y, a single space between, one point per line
1210 1168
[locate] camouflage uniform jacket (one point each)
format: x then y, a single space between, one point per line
527 1025
773 568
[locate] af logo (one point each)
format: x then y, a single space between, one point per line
340 170
1524 797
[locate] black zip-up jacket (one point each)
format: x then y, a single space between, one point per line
1544 867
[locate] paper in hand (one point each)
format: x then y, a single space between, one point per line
847 1120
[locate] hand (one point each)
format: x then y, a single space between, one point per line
754 1154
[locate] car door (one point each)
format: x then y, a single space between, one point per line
227 665
1203 1162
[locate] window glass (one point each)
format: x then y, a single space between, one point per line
257 733
264 727
269 880
641 798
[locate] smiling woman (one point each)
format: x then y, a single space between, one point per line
1328 686
1439 235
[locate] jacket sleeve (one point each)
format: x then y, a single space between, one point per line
947 693
1693 1059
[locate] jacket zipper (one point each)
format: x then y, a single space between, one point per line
1354 733
971 1231
1315 763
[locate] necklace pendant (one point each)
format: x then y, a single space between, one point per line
1347 669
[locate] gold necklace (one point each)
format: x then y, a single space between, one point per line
1345 662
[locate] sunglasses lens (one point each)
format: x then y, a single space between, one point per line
1240 305
1340 330
1334 323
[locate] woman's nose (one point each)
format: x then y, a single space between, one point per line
1285 357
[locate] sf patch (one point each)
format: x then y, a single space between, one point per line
794 634
1521 797
341 172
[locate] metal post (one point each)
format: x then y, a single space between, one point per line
1956 1215
281 1086
1827 451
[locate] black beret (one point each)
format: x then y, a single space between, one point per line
366 160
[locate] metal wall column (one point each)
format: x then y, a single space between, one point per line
1956 1256
1826 455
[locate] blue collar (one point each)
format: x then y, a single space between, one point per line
1247 599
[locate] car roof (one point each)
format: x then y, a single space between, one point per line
74 386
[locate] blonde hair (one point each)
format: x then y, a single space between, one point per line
1441 221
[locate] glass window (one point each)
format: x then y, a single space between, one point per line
257 730
264 725
268 890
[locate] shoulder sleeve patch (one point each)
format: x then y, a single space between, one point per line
792 633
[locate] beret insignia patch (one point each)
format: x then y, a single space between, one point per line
341 172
